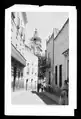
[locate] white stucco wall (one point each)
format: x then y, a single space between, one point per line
61 44
31 59
50 51
14 32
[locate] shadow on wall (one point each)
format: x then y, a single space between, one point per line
18 84
44 98
53 90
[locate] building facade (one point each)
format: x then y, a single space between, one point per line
31 70
18 62
24 64
58 57
49 53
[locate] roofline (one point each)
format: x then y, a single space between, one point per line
59 31
49 40
65 51
62 28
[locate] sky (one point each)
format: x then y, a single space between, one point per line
44 22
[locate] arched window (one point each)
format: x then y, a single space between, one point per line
31 80
26 80
18 74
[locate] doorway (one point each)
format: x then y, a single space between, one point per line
15 71
60 75
55 74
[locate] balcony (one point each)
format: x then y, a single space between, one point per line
17 55
48 63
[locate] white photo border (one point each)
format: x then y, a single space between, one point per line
40 109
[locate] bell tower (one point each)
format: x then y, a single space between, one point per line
35 33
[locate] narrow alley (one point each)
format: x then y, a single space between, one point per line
28 97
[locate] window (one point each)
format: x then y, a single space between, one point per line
28 64
49 59
15 71
55 74
16 37
22 74
11 29
18 74
26 80
21 35
28 70
18 23
17 33
31 80
13 15
60 75
32 70
34 39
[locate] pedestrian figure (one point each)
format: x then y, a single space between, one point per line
64 94
42 87
32 84
38 87
14 78
26 83
44 84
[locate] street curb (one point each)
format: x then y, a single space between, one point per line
53 97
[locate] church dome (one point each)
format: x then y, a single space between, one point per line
36 37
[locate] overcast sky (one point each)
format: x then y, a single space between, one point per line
44 22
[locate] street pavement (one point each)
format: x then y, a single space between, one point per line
24 97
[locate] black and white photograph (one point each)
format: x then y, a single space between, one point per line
39 58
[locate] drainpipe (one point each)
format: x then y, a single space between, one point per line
53 53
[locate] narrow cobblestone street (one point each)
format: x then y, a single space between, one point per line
28 97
